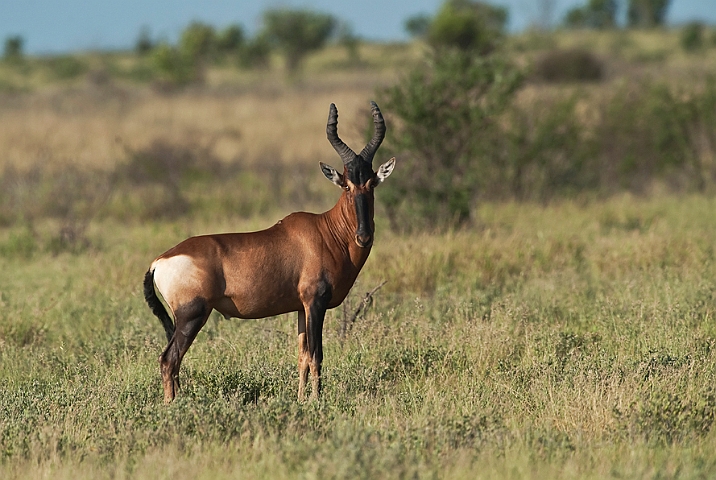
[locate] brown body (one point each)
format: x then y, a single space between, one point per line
305 263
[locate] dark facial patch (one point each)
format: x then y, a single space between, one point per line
359 171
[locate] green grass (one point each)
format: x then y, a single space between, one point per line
567 341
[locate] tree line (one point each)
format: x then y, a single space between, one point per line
295 33
292 33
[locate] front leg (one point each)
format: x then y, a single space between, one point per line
315 347
315 305
304 357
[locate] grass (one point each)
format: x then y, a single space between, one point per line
563 341
571 339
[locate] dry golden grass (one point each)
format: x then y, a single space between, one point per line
243 115
91 128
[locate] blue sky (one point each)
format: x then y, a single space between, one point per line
50 26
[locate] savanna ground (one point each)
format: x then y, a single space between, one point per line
572 339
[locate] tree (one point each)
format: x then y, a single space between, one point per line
692 36
297 33
596 14
174 68
348 39
576 18
13 48
467 25
256 53
230 39
144 42
647 13
198 41
418 25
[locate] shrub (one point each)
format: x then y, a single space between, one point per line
596 14
297 33
546 152
198 42
417 25
174 68
348 39
462 138
144 43
446 111
648 131
467 25
13 48
574 65
230 39
66 67
156 177
692 36
256 53
647 13
576 18
667 417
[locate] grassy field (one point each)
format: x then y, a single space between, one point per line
574 339
563 341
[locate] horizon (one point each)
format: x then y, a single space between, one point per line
79 25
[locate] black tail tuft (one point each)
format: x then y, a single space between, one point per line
150 295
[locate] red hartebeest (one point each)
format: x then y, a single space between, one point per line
306 263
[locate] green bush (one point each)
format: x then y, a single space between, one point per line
574 65
144 43
256 53
417 25
467 25
66 67
461 137
153 180
174 68
198 42
297 33
446 111
647 13
13 48
348 39
230 39
650 131
546 152
692 36
596 14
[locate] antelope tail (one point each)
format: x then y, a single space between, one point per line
150 295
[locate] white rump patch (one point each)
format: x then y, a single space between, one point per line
176 278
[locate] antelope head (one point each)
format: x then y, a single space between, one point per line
358 178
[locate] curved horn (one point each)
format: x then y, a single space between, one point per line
378 135
343 150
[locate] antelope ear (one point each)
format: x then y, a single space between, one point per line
333 175
385 170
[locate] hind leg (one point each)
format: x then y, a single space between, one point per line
189 320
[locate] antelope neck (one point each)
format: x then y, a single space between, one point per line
342 223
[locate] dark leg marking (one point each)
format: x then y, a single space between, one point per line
189 320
